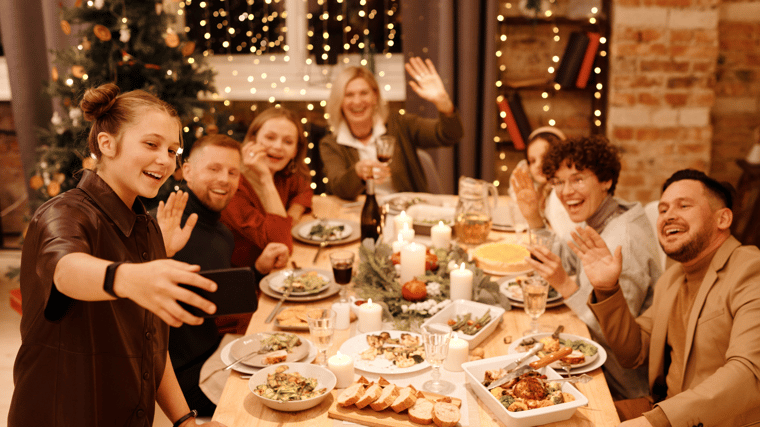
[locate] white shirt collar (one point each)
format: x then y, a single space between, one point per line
345 137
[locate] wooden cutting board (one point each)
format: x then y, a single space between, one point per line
369 417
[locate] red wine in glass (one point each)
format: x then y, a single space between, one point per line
382 158
342 273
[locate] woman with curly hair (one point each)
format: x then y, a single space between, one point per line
584 172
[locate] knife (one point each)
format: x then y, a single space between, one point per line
509 377
535 349
558 331
284 296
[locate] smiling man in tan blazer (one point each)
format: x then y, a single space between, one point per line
701 336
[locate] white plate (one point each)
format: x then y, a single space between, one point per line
504 290
398 202
475 372
325 379
502 227
304 230
478 310
513 290
245 369
266 288
277 282
601 354
252 343
355 345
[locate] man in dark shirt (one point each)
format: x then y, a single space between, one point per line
212 172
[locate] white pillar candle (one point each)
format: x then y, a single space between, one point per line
461 283
440 235
342 315
401 219
407 232
412 261
459 352
342 366
370 317
398 244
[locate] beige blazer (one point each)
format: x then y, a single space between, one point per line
721 377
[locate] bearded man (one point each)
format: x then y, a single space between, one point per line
699 338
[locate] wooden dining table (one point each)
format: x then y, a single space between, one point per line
238 407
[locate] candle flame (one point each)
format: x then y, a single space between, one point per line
461 267
440 223
400 237
406 226
369 301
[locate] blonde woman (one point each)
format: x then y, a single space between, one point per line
358 114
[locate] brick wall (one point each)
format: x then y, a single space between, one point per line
663 62
737 107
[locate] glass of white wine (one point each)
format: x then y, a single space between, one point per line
436 339
322 329
535 291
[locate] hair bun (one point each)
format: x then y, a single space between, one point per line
97 101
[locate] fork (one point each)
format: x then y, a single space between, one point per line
323 243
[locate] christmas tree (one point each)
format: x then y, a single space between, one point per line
129 43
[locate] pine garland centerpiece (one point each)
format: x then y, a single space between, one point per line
378 279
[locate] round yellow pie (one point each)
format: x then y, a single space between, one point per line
501 258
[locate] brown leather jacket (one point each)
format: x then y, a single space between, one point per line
85 363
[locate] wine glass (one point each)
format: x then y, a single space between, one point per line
384 146
321 328
436 339
540 237
342 264
535 291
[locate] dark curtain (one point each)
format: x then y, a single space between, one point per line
30 28
458 36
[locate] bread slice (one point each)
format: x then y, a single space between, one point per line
351 394
389 394
275 357
445 414
422 410
574 358
370 395
405 400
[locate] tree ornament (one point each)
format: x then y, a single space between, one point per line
102 33
124 33
159 8
53 189
54 74
188 48
78 3
172 40
36 182
59 177
56 120
88 163
86 45
98 4
77 71
75 114
66 27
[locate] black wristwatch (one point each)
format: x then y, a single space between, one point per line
192 414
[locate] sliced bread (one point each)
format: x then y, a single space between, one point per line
422 410
387 397
445 414
351 394
405 400
370 395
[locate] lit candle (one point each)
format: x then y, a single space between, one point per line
342 366
440 235
412 261
370 317
343 315
398 244
461 283
407 232
401 219
459 352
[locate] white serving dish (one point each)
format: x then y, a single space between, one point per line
475 371
324 377
461 307
426 216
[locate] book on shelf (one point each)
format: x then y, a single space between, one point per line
570 64
516 120
584 72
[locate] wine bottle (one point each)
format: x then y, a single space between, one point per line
371 225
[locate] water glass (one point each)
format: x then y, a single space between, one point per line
540 237
322 329
535 291
436 339
342 265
